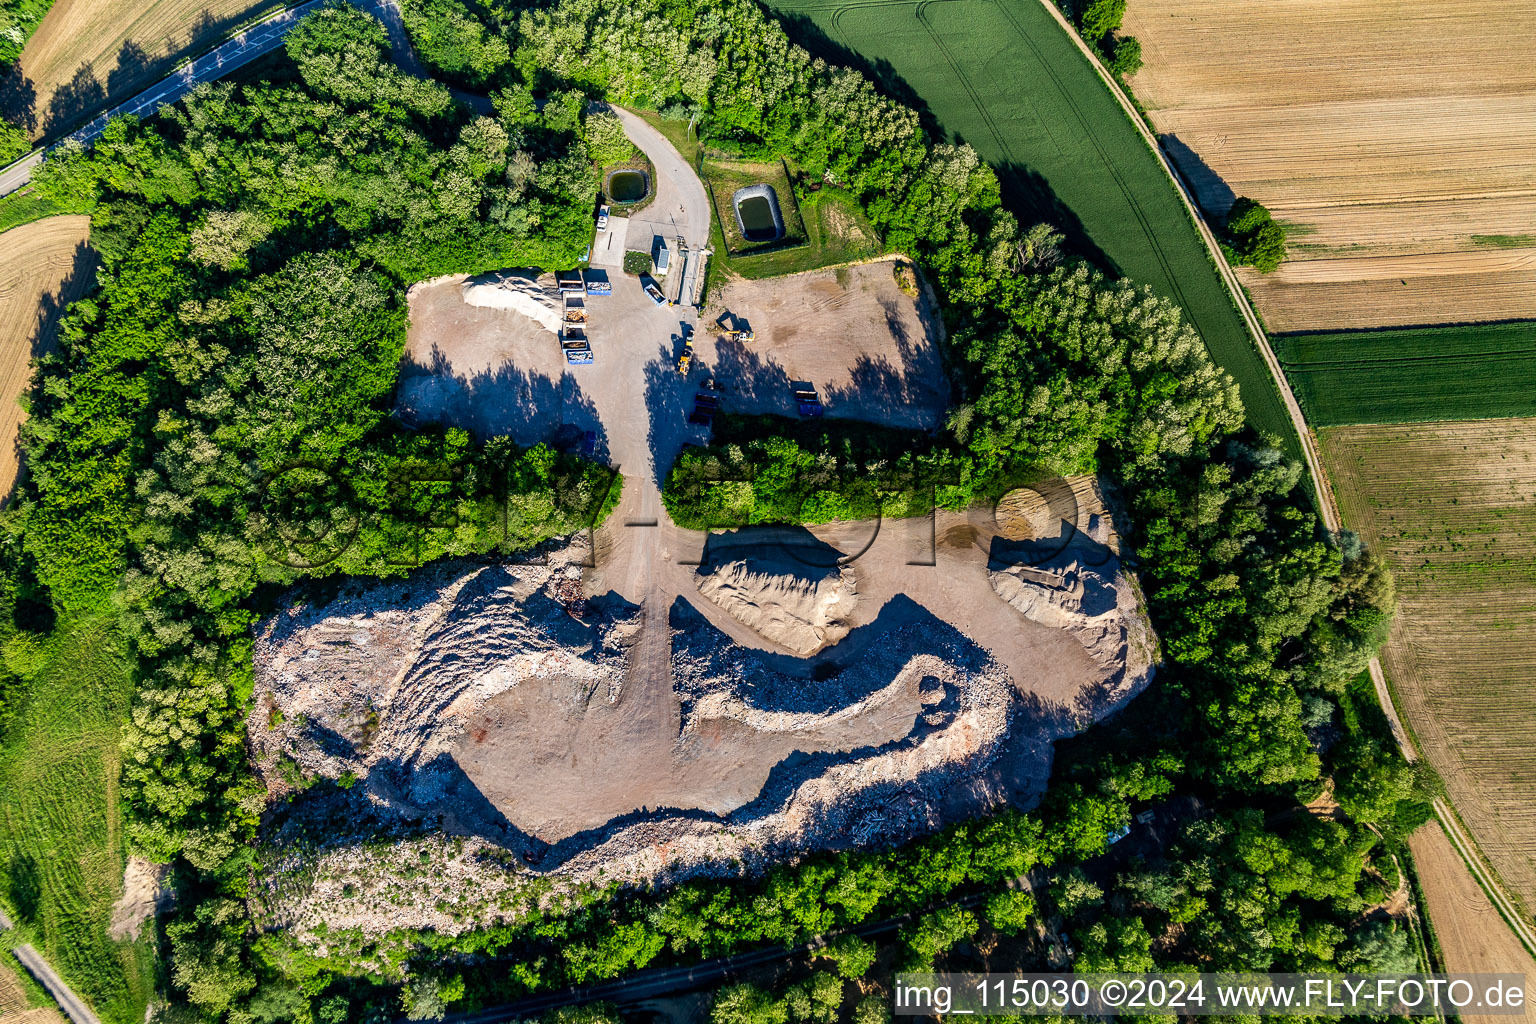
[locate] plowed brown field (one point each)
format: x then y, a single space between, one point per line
43 266
1472 936
88 55
1382 131
1453 507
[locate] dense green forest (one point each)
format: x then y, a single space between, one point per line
217 418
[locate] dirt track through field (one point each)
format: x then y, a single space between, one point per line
1453 507
43 267
1398 139
90 54
1471 935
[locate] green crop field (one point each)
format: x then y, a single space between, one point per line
61 840
1413 374
1004 77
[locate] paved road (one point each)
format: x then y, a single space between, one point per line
257 41
681 207
62 994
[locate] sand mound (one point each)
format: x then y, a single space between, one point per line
518 291
798 606
1096 603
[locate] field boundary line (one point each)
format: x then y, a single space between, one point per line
1327 504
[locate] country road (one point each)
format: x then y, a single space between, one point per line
72 1005
254 42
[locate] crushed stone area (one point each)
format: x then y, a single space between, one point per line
529 293
871 349
452 750
377 683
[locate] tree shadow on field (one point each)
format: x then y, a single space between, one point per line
45 333
1211 191
1030 198
128 74
18 99
74 101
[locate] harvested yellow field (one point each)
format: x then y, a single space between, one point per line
1381 131
1453 508
1474 939
44 266
13 1002
88 55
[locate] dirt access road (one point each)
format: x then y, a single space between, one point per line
1465 922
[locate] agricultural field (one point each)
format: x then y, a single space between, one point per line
1009 81
18 1005
89 54
1472 936
1397 141
1399 376
44 266
1452 506
62 848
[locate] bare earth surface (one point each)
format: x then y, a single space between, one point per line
1472 936
1453 508
872 351
91 54
44 266
614 722
1398 139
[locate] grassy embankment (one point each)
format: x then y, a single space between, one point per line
62 847
834 230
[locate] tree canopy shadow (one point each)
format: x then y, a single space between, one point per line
133 64
668 401
506 401
18 99
1211 191
1029 197
74 101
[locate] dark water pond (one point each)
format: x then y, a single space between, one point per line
757 219
627 186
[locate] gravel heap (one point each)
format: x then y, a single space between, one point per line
800 607
532 296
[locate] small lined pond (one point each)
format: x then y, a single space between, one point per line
628 186
757 213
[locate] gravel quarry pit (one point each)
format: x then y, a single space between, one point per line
653 704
